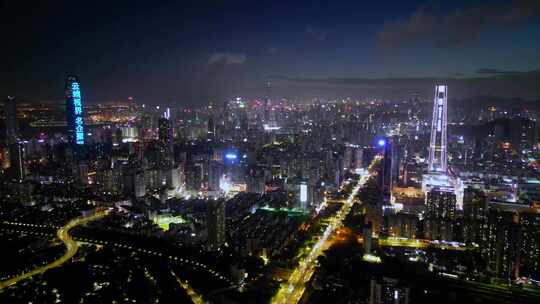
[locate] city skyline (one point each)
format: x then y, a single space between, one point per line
271 152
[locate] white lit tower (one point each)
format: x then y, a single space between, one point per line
438 177
437 145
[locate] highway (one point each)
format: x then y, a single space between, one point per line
293 289
71 247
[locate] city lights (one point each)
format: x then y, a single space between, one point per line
231 156
263 153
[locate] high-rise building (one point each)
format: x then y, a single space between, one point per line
368 238
194 177
134 183
211 133
437 161
267 104
437 175
165 140
403 224
16 159
439 215
475 209
501 243
530 243
10 109
255 180
74 111
386 165
15 149
215 223
144 125
173 177
475 204
215 171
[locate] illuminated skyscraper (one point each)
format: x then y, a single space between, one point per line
438 159
74 111
502 243
439 215
437 146
165 141
386 164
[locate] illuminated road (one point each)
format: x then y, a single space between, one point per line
121 244
293 289
71 248
195 297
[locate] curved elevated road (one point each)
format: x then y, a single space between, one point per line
71 247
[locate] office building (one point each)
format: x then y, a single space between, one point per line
439 215
215 223
74 111
165 142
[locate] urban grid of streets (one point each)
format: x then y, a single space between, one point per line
293 289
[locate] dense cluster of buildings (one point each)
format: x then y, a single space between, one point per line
251 175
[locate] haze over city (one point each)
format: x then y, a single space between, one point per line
276 152
193 52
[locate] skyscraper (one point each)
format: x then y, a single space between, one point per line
440 215
437 157
16 159
501 243
15 148
437 161
165 140
386 164
215 223
267 104
211 133
10 109
530 242
475 209
74 111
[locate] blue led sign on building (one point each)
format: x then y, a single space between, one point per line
74 107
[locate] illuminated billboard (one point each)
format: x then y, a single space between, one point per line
74 108
303 193
231 156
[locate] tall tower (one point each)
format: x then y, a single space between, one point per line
16 150
437 146
165 141
215 222
267 103
74 111
10 109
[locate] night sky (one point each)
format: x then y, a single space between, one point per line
193 52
